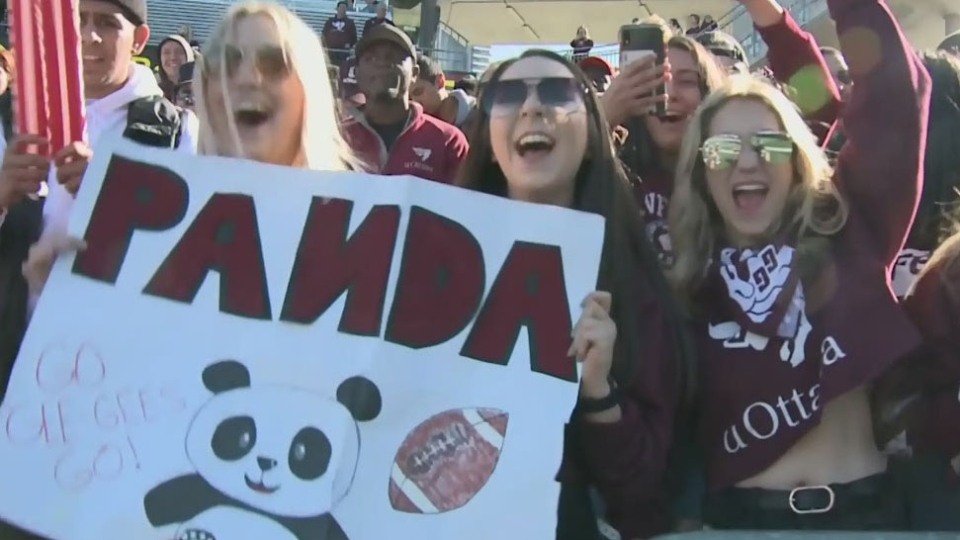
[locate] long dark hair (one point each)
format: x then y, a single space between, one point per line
629 267
941 169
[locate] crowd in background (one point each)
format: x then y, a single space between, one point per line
773 343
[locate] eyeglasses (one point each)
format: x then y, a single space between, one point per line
271 61
723 151
507 96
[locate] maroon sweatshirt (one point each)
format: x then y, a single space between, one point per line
934 306
762 393
427 147
626 461
339 34
795 59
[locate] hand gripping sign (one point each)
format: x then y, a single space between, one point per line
49 84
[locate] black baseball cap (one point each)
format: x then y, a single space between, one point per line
134 10
389 33
722 44
951 43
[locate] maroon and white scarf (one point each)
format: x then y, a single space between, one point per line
761 289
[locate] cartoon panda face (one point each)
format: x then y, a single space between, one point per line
286 451
277 449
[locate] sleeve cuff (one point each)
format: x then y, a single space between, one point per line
604 441
785 30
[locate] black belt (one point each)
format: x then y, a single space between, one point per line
812 499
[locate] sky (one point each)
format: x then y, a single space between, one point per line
503 52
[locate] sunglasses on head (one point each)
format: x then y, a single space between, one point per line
270 60
506 96
723 151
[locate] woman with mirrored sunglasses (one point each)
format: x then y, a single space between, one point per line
541 137
783 262
651 148
260 93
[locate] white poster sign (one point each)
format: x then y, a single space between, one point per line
248 351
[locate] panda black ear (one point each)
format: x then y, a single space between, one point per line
361 397
226 375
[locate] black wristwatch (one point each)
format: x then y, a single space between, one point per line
587 405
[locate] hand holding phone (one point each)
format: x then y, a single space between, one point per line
633 92
645 43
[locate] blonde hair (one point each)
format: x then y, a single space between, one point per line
322 144
815 208
947 256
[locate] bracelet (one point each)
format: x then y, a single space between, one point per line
594 405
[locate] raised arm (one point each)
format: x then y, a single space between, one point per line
796 61
627 459
880 168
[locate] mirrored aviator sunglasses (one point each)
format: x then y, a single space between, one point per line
723 151
270 61
508 96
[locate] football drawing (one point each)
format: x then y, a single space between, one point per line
445 461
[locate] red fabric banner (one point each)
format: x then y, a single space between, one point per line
49 84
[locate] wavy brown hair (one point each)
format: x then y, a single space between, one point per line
629 267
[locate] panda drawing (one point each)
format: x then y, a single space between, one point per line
271 461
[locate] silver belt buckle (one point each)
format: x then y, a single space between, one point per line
823 510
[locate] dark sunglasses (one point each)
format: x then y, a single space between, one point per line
271 61
507 96
723 151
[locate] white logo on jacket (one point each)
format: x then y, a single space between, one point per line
422 153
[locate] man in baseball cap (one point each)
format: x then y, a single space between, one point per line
415 143
134 10
112 32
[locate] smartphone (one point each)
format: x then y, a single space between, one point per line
638 41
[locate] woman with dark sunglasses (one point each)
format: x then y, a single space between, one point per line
541 137
784 263
260 93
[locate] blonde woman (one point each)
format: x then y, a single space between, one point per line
784 264
262 92
582 44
